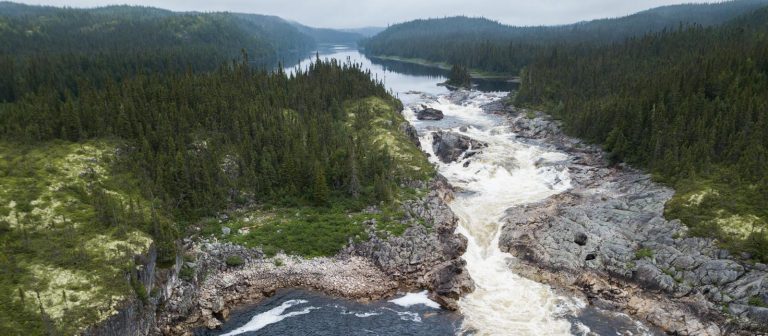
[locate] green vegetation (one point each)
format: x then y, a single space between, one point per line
644 253
311 231
735 213
70 223
167 39
689 106
459 77
757 301
194 161
491 46
106 151
187 273
234 261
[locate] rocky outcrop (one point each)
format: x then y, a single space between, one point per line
428 113
425 256
449 282
138 316
208 295
451 146
410 131
608 237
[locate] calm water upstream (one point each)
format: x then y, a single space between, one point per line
502 176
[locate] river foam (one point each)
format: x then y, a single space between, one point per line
505 174
412 299
271 316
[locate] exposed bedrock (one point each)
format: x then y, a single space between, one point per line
608 237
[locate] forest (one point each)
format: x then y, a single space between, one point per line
487 45
123 127
688 104
679 91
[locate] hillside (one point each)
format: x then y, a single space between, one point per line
689 105
325 35
29 30
121 128
488 45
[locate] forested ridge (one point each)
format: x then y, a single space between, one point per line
31 30
126 127
689 104
488 45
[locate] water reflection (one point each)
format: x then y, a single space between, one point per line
400 77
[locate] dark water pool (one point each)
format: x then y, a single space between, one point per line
300 312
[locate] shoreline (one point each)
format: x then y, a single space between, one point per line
593 240
423 258
475 73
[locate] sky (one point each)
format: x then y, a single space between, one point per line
365 13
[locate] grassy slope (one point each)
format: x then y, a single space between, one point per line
58 255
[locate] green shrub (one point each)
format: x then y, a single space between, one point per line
187 273
139 289
757 301
644 253
234 261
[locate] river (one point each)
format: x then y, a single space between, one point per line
505 174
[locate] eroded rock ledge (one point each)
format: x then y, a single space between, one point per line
607 238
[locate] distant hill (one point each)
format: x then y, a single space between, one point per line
490 45
365 31
125 29
327 35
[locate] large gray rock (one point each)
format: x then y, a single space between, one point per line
611 224
428 113
449 283
449 146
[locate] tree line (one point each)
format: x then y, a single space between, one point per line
689 105
488 45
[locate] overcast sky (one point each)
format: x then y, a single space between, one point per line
359 13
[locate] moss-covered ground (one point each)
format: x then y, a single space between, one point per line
72 218
69 226
729 211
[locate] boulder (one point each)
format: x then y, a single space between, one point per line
428 113
580 239
449 283
450 146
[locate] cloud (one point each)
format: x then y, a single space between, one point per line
359 13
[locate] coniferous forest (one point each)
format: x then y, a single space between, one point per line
490 46
688 104
126 129
127 125
678 90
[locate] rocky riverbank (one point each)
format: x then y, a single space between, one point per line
607 238
213 277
